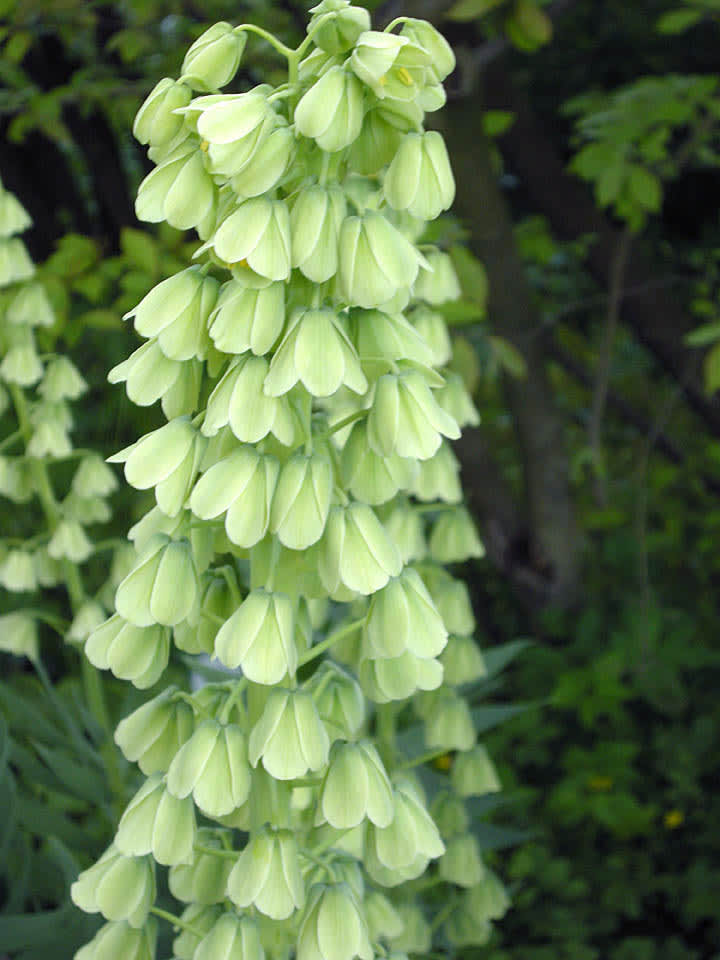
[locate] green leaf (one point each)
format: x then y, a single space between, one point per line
102 320
497 122
508 356
675 21
17 46
703 336
711 367
491 837
470 9
471 274
79 779
645 188
492 715
497 658
140 249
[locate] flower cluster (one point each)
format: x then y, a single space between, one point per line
306 501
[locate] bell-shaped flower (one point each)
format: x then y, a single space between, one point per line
450 814
231 938
405 528
438 478
333 927
461 863
156 122
51 425
14 218
289 737
474 773
247 319
162 586
119 887
455 400
120 941
355 787
19 635
259 638
382 917
339 700
204 880
376 260
449 724
383 128
356 551
147 374
269 164
167 459
462 661
317 352
267 875
213 59
153 734
138 654
235 119
17 571
21 364
402 616
397 678
176 311
212 766
424 34
372 478
416 935
157 822
30 307
432 328
62 381
93 478
440 283
315 221
391 65
15 262
411 833
454 537
198 920
331 112
420 178
406 419
179 190
240 401
257 232
341 25
453 601
241 486
489 898
302 500
217 602
89 616
69 542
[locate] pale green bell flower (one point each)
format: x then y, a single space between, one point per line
252 122
392 877
30 307
461 863
179 190
156 122
19 635
406 419
213 59
241 486
402 616
49 572
147 374
420 178
167 459
453 601
246 319
405 527
162 586
140 533
157 822
391 65
302 500
267 875
217 602
356 787
396 678
339 700
16 479
21 364
120 941
432 328
17 572
235 119
424 34
182 397
411 833
50 435
176 311
138 654
489 898
204 880
387 336
454 537
119 887
259 638
372 478
153 734
382 133
289 737
200 919
240 401
70 542
449 724
212 766
89 617
231 938
331 112
15 262
440 283
258 232
474 773
455 399
14 218
268 166
438 478
462 661
315 221
333 927
416 935
382 917
85 510
376 260
450 814
93 478
338 32
316 351
356 551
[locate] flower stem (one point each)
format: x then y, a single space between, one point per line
177 922
266 35
325 644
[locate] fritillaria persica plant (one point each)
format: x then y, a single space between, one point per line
300 365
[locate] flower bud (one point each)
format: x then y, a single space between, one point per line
315 221
259 638
258 232
333 927
370 477
438 478
462 661
398 678
340 30
204 880
376 260
120 941
419 178
356 551
454 537
391 65
424 34
331 112
268 165
416 936
302 500
19 636
474 773
356 786
440 283
179 190
15 262
162 586
156 122
316 351
212 766
239 400
411 833
405 417
217 602
17 572
231 938
138 654
153 734
246 319
119 887
157 822
402 616
449 725
405 528
30 307
339 700
69 542
267 875
383 920
213 59
176 311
